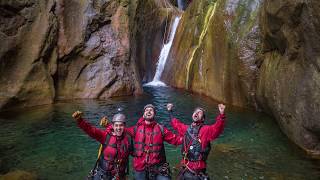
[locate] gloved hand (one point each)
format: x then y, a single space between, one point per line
104 121
77 115
169 106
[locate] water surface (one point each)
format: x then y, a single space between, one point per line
46 141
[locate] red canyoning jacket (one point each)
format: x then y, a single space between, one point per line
116 149
206 134
148 143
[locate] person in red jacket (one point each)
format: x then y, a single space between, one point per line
117 145
149 160
196 142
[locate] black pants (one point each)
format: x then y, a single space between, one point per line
185 174
156 172
141 175
100 174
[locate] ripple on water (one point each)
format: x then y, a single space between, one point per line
46 141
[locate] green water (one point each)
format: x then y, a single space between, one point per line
46 141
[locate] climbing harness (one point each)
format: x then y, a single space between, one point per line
96 169
151 171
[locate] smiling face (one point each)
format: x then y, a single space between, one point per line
198 115
148 113
118 128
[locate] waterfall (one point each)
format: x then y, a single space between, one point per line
163 56
181 4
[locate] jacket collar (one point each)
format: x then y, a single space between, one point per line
142 121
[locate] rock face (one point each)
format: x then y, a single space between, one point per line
263 55
28 31
289 82
64 49
218 59
94 50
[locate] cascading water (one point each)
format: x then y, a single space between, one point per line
163 56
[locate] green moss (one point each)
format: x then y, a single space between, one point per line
212 1
207 19
244 19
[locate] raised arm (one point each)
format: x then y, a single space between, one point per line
180 127
171 138
177 125
93 132
214 130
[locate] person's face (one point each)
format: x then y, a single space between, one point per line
118 128
148 113
197 115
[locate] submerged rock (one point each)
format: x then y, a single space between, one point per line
18 175
225 148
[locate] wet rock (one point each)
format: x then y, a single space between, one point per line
280 176
18 175
28 34
73 17
219 57
289 79
259 54
96 63
260 162
225 148
59 49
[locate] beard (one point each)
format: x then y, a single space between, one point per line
148 117
197 118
